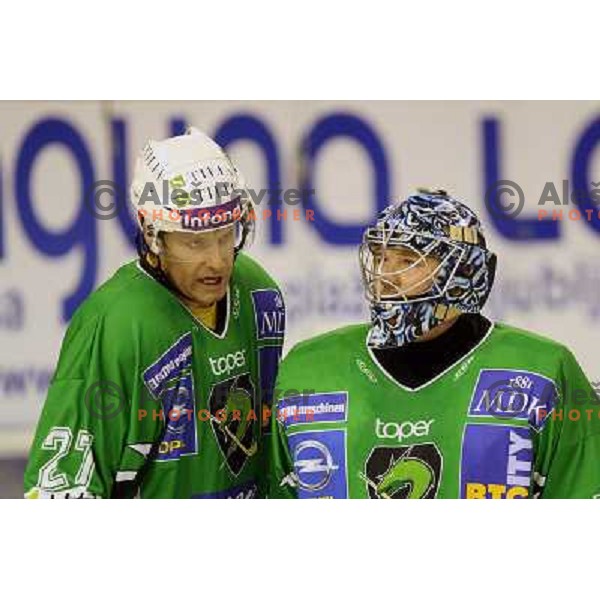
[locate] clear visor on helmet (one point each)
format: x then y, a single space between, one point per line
406 267
192 246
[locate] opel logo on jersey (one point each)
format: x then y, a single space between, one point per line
313 464
224 365
400 431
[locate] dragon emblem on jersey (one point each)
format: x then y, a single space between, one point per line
234 420
431 225
405 472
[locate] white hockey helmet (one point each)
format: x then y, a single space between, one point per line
188 183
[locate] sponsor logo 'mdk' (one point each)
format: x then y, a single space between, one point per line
400 431
269 313
518 395
506 398
224 365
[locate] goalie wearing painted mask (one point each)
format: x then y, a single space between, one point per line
431 399
165 369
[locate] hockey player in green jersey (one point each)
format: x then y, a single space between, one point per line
166 369
431 399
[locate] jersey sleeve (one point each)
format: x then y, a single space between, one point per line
282 482
83 424
568 457
269 316
281 477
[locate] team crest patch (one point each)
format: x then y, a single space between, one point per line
234 420
403 472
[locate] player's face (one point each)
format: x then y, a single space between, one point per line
199 264
404 272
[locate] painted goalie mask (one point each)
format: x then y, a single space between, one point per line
424 261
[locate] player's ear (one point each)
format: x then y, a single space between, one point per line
147 237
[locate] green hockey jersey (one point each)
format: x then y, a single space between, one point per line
147 401
514 418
